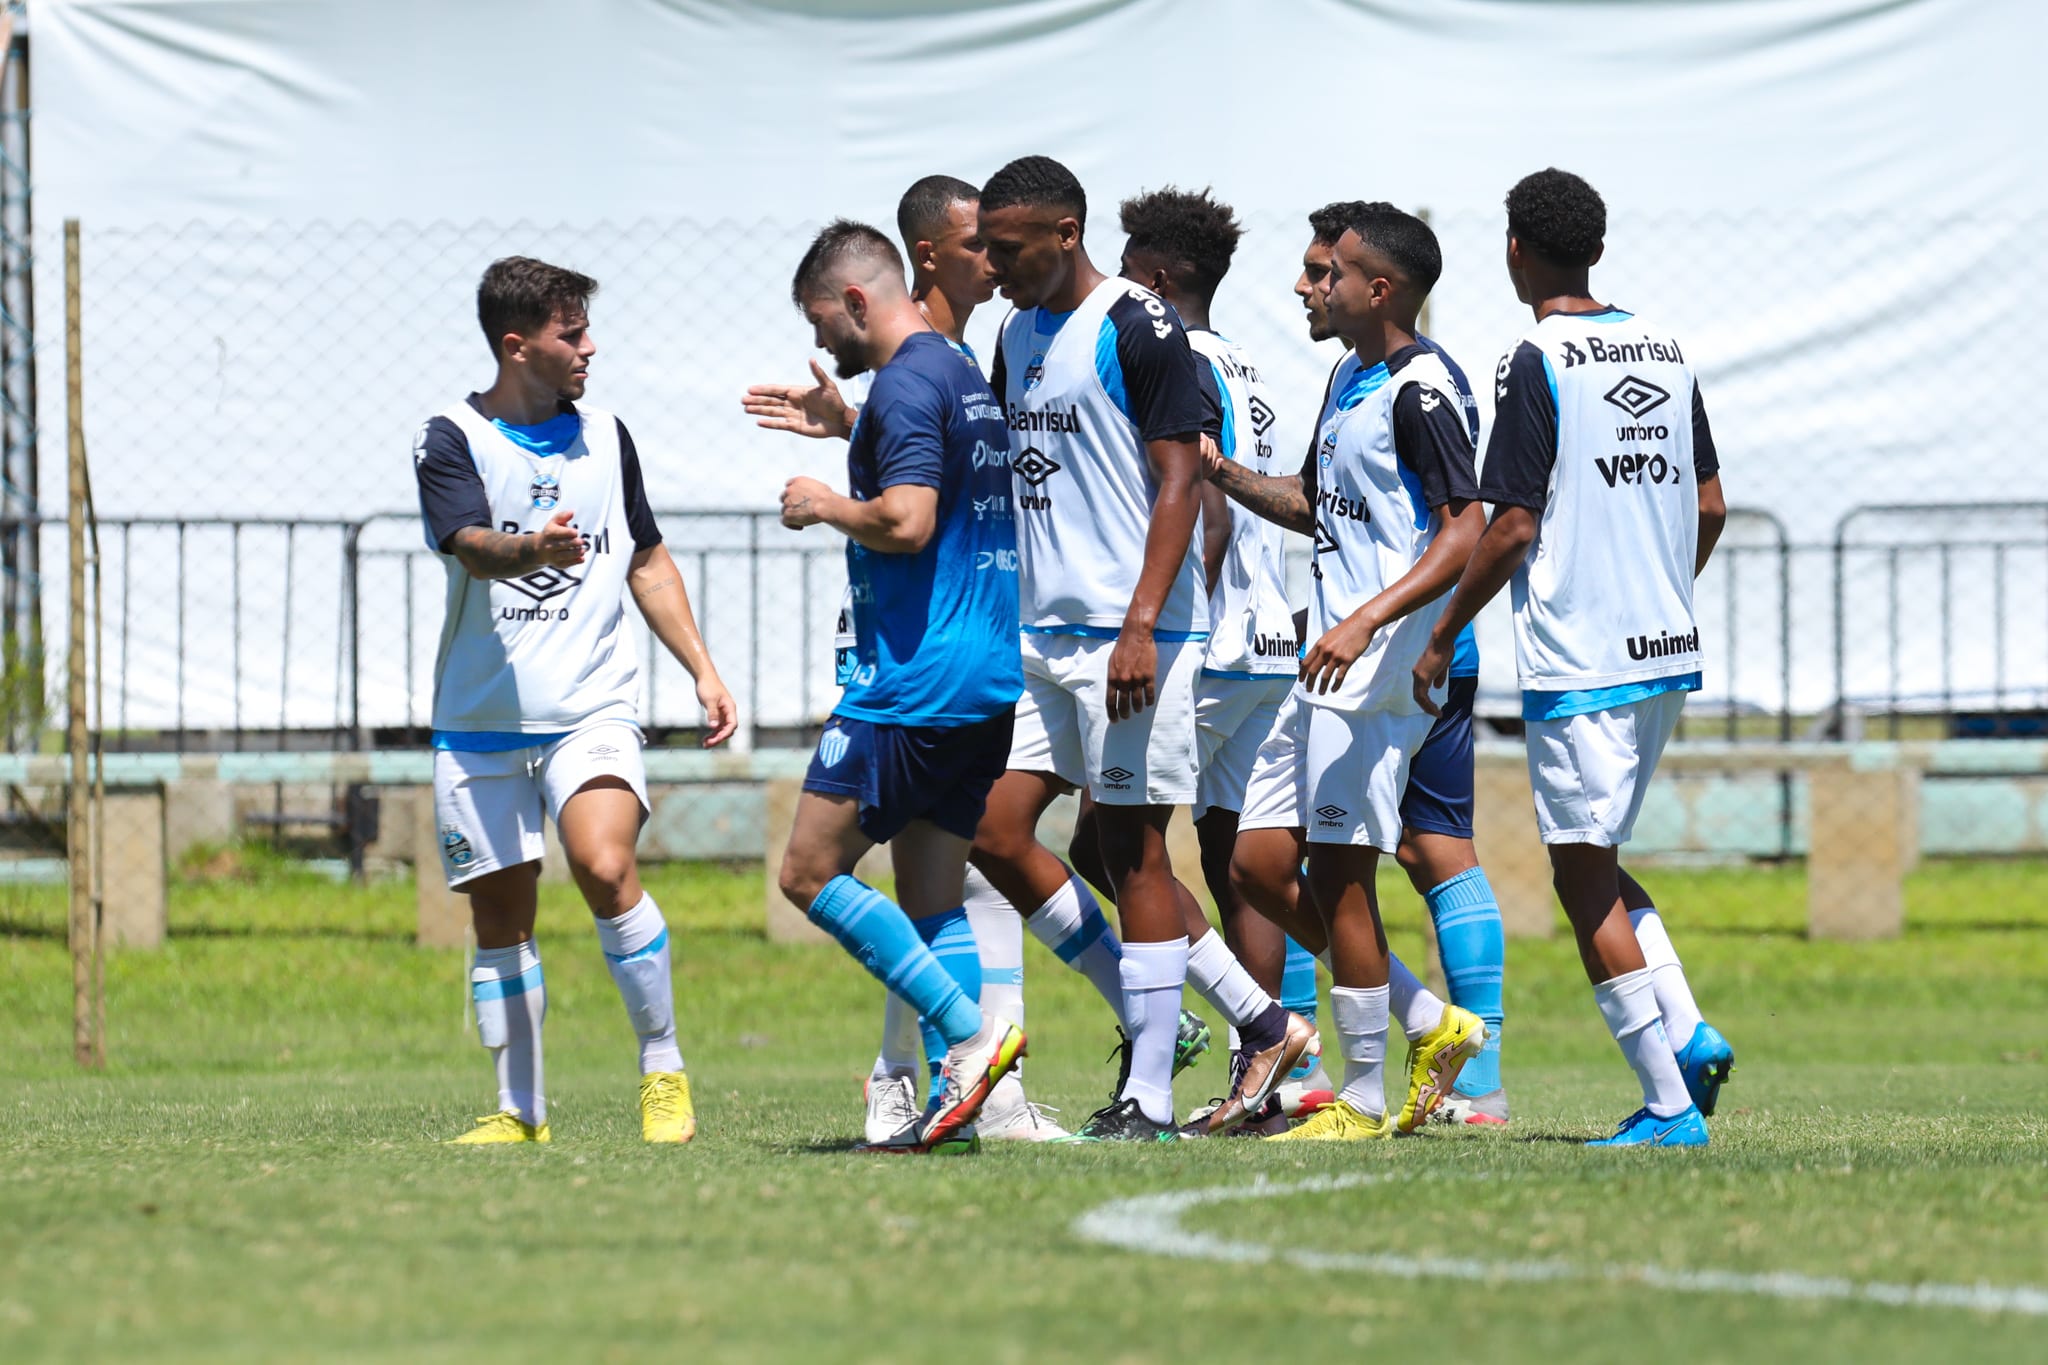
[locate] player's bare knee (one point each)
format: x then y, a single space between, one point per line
803 876
608 879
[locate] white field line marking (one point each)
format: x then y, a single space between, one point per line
1152 1224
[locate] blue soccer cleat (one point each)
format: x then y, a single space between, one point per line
1706 1062
1645 1129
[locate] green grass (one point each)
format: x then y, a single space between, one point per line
257 1176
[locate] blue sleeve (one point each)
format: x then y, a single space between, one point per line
452 494
1521 449
1211 376
1150 372
639 516
909 436
1432 441
1706 461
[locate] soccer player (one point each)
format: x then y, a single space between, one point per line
1106 408
949 278
539 511
1436 808
1395 517
1179 245
1607 502
923 728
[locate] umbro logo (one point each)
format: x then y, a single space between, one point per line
1637 396
1332 812
544 583
1262 416
1117 777
1429 399
1034 466
602 753
1325 543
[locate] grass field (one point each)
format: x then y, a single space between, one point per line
257 1177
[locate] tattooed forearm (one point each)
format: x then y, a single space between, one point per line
1280 500
495 554
653 588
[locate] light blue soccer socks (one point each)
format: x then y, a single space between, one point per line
1298 982
881 938
511 1003
951 940
1071 924
636 949
1470 943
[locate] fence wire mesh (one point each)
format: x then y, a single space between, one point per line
252 392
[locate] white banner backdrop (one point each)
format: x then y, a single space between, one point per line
1835 202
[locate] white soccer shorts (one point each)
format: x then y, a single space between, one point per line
488 807
1276 793
1063 724
1233 717
1357 764
1589 772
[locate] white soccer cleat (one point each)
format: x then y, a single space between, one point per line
892 1107
1009 1117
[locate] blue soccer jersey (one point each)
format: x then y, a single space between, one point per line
936 631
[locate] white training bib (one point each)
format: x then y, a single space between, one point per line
1251 626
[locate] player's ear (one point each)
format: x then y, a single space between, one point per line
924 256
856 300
511 346
1069 232
1598 252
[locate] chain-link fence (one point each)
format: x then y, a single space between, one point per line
251 393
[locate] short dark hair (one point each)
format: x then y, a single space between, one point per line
1402 238
1329 221
838 242
520 294
1193 230
1558 216
1038 182
921 212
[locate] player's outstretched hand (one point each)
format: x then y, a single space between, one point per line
721 715
1329 660
1133 674
1432 670
560 543
817 411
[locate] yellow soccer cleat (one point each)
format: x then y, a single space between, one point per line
666 1114
1434 1061
1337 1121
503 1126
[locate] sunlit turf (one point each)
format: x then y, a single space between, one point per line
257 1177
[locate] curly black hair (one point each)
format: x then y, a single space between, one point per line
1403 239
921 212
1193 230
1329 221
1558 216
1039 182
839 241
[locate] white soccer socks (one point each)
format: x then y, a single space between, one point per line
1361 1013
999 935
1219 978
1629 1005
1674 993
636 949
1153 975
1418 1009
1071 924
902 1039
511 1002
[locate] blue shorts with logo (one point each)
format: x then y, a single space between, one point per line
901 773
1439 795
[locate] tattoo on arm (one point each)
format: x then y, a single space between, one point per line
1281 500
653 588
495 554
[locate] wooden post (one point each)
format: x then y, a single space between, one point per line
78 815
1864 823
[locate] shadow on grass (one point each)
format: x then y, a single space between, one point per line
21 928
292 932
